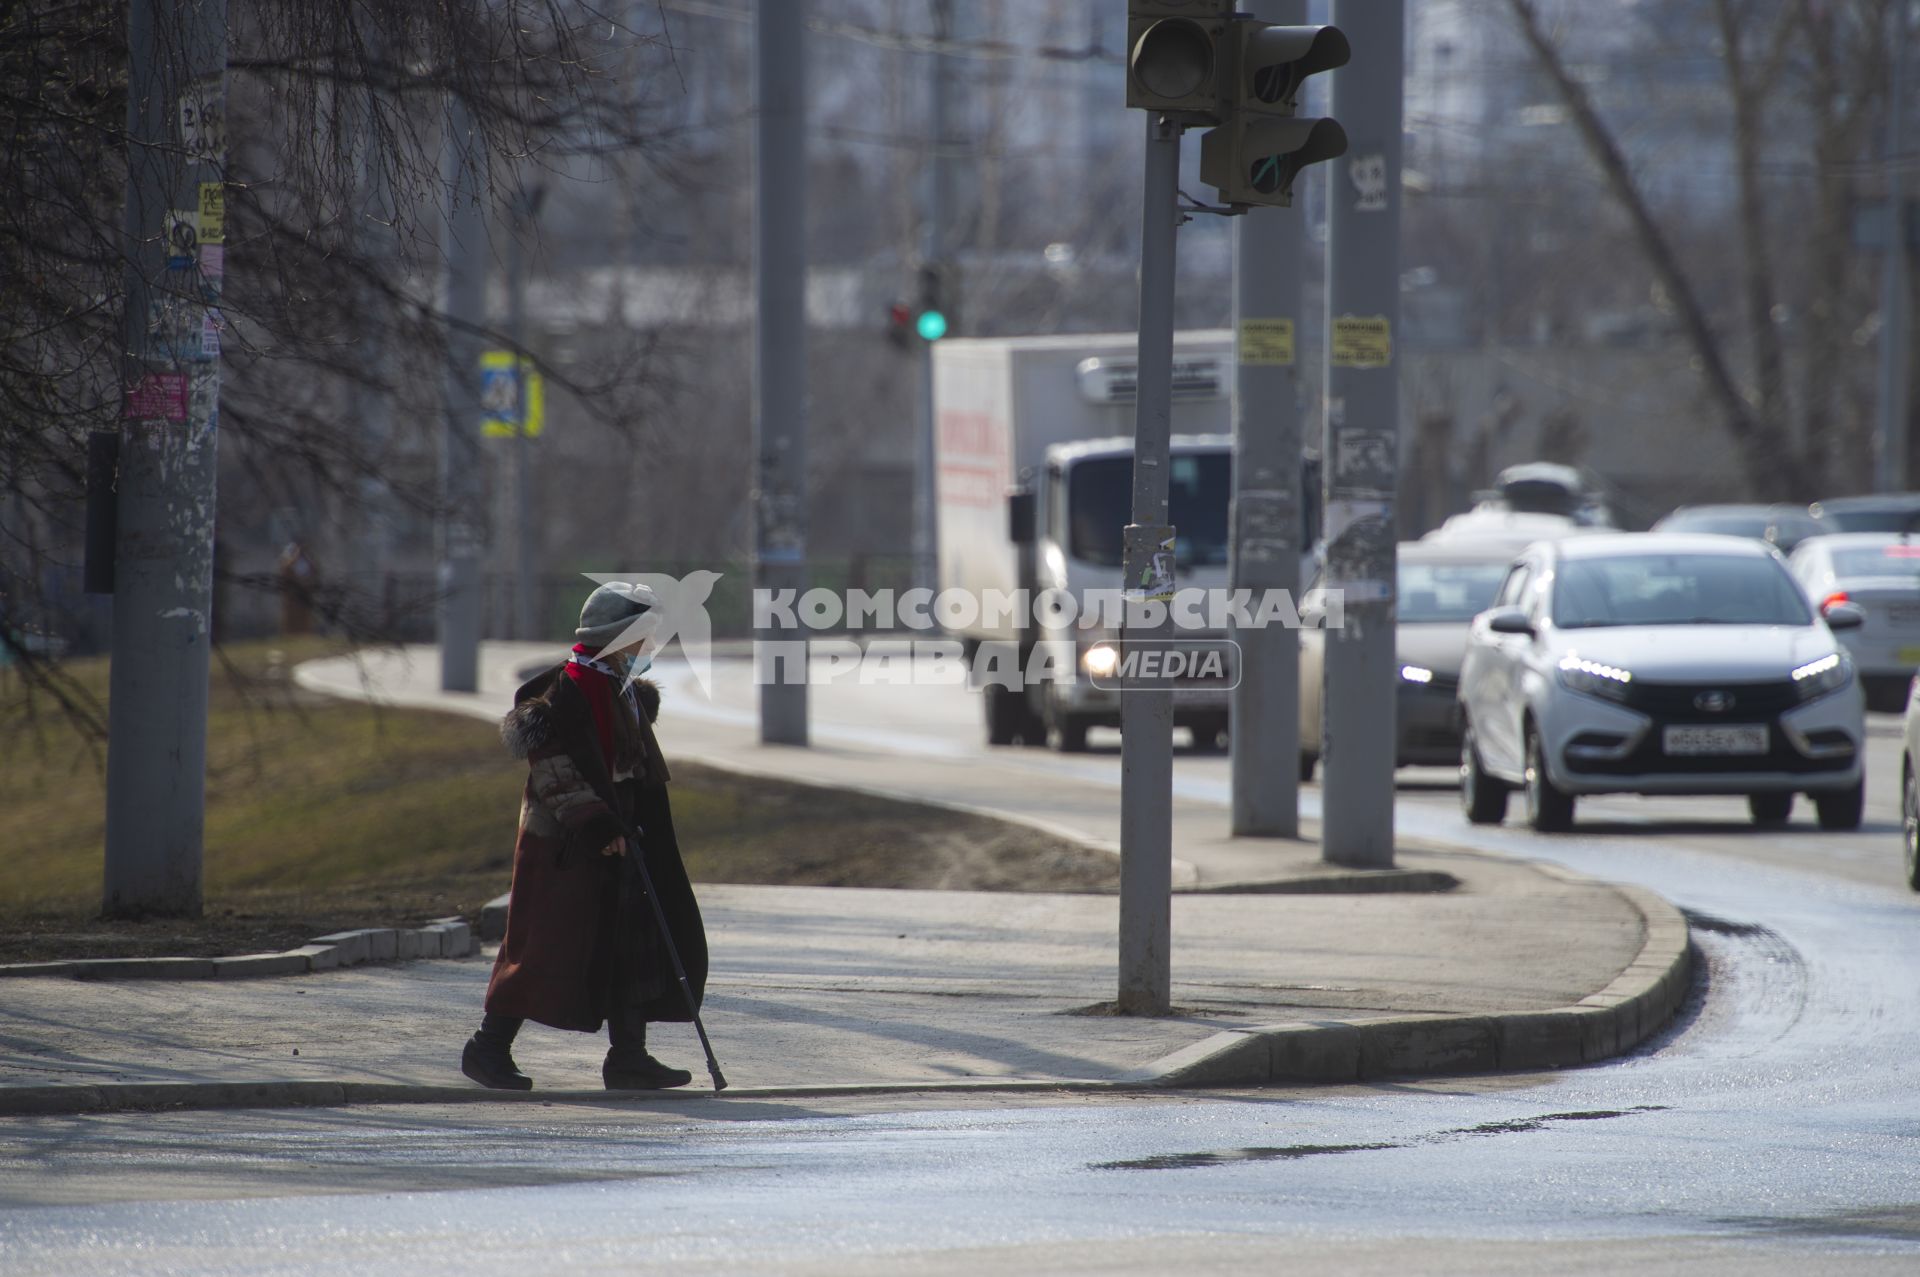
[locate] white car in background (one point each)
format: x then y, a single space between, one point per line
1659 664
1879 572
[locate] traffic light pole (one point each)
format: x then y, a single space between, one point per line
1363 439
933 253
163 551
1146 714
1266 503
780 344
460 535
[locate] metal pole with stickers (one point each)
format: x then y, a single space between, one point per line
1190 63
1363 439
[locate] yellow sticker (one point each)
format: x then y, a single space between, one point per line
213 213
499 394
1362 341
1266 342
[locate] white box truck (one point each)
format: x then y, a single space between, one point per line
1034 467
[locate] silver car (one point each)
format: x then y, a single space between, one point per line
1659 663
1879 573
1910 794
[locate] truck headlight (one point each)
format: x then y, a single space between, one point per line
1828 674
1100 660
1591 678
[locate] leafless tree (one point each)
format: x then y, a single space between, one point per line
1804 84
337 131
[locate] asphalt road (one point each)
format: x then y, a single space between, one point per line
1772 1130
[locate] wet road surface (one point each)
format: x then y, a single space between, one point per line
1773 1129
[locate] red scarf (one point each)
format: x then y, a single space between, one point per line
598 689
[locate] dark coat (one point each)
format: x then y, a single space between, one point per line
579 931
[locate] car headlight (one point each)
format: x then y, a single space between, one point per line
1100 660
1828 674
1416 674
1591 678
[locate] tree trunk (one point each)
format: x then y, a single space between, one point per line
1763 448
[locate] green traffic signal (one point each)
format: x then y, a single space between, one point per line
932 325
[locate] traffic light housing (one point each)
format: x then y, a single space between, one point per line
934 317
1174 57
1253 159
1260 146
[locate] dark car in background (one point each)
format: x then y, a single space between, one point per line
1443 585
1880 512
1781 526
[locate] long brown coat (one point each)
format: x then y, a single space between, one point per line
575 923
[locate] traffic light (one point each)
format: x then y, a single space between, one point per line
900 324
1174 56
934 317
1253 157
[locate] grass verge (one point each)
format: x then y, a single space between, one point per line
323 815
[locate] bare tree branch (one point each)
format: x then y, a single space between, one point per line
1765 450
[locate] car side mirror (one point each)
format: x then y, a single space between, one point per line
1510 620
1845 616
1021 516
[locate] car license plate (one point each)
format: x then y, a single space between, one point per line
1698 741
1908 655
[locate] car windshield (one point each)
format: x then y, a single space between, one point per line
1199 491
1448 591
1676 589
1738 525
1901 561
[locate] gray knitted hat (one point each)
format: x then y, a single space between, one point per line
611 609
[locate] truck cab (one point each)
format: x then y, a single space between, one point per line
1082 504
1033 453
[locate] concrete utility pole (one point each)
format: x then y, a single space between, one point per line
464 304
526 600
933 256
780 340
1146 714
1896 321
163 553
372 539
1361 459
1266 502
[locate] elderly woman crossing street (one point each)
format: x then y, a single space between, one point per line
582 946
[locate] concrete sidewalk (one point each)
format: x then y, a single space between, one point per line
1519 966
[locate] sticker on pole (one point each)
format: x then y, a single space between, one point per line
213 213
158 396
1362 341
183 238
203 119
501 401
1149 560
1368 173
1266 342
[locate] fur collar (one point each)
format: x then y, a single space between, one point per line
530 724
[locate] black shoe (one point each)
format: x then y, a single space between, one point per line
493 1067
643 1073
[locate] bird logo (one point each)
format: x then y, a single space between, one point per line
679 612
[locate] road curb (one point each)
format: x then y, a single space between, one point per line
1358 882
1631 1009
441 938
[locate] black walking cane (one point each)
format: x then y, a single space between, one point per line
636 865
